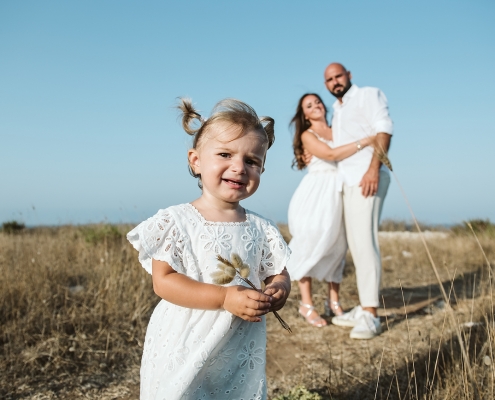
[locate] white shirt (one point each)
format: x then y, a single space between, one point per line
362 113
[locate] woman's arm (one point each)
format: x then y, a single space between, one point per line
321 150
183 291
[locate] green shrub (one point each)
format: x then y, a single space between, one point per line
101 233
299 393
480 226
392 225
12 227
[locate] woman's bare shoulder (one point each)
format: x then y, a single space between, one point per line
308 133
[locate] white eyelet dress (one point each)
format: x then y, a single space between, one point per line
316 224
204 354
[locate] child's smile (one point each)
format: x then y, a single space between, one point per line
234 184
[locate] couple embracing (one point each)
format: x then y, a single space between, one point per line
339 202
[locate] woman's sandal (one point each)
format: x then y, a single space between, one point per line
318 321
334 309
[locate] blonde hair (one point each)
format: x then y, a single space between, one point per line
232 111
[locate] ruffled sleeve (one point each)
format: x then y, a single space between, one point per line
160 238
275 253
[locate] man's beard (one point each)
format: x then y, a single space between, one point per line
342 92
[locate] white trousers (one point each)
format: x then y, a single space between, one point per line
362 216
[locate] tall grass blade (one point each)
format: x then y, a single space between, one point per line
448 308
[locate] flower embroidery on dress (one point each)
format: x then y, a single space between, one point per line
250 356
266 260
198 339
222 358
215 239
177 358
274 238
204 357
253 240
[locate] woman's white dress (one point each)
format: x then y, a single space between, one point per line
316 224
203 354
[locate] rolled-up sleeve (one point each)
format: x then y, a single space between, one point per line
380 118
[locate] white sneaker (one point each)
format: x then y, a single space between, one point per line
349 318
367 327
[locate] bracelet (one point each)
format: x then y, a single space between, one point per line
358 145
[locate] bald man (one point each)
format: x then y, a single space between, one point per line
358 113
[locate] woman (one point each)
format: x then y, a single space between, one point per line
315 212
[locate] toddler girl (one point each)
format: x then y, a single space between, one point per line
203 340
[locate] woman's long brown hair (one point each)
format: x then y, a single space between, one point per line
301 124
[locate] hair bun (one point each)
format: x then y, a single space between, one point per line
189 115
268 124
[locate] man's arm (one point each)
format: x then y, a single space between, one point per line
377 111
371 179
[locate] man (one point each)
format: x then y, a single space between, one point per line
358 113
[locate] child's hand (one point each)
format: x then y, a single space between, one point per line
278 287
278 291
246 303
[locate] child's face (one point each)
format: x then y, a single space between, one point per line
230 165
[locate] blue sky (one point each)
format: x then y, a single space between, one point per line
88 132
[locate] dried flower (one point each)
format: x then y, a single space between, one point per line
224 260
383 157
225 274
239 265
236 260
227 271
244 270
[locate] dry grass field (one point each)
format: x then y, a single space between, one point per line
75 304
